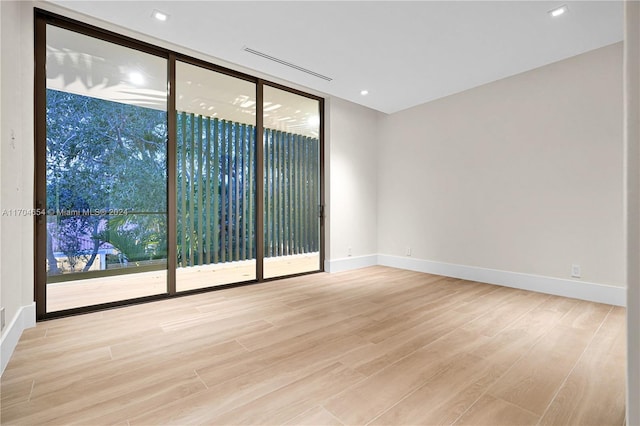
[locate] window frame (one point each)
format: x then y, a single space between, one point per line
42 18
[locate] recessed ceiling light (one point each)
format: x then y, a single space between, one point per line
559 11
160 16
364 92
136 78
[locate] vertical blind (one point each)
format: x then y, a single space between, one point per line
216 191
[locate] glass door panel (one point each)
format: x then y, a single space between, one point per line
291 183
106 175
216 166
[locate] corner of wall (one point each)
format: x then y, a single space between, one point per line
25 318
350 263
351 182
16 151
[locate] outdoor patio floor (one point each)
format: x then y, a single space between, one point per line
93 291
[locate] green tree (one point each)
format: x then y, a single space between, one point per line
104 155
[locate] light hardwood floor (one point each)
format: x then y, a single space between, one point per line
376 346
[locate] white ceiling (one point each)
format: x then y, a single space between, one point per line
403 53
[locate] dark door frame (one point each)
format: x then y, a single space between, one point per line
42 19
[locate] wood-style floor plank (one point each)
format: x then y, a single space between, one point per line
366 400
315 416
288 401
496 412
536 377
445 396
376 346
594 391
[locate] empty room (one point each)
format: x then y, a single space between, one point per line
320 212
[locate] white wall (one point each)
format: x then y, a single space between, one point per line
632 142
521 175
16 172
351 167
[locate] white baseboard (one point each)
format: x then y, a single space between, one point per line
25 318
349 263
592 292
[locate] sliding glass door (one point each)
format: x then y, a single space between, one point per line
105 209
292 202
216 173
158 174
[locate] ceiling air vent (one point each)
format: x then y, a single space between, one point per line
288 64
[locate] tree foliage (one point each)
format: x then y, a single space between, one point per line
105 157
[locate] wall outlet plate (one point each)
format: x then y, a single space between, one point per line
575 271
2 319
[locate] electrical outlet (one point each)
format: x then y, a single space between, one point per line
575 271
349 251
408 251
2 320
